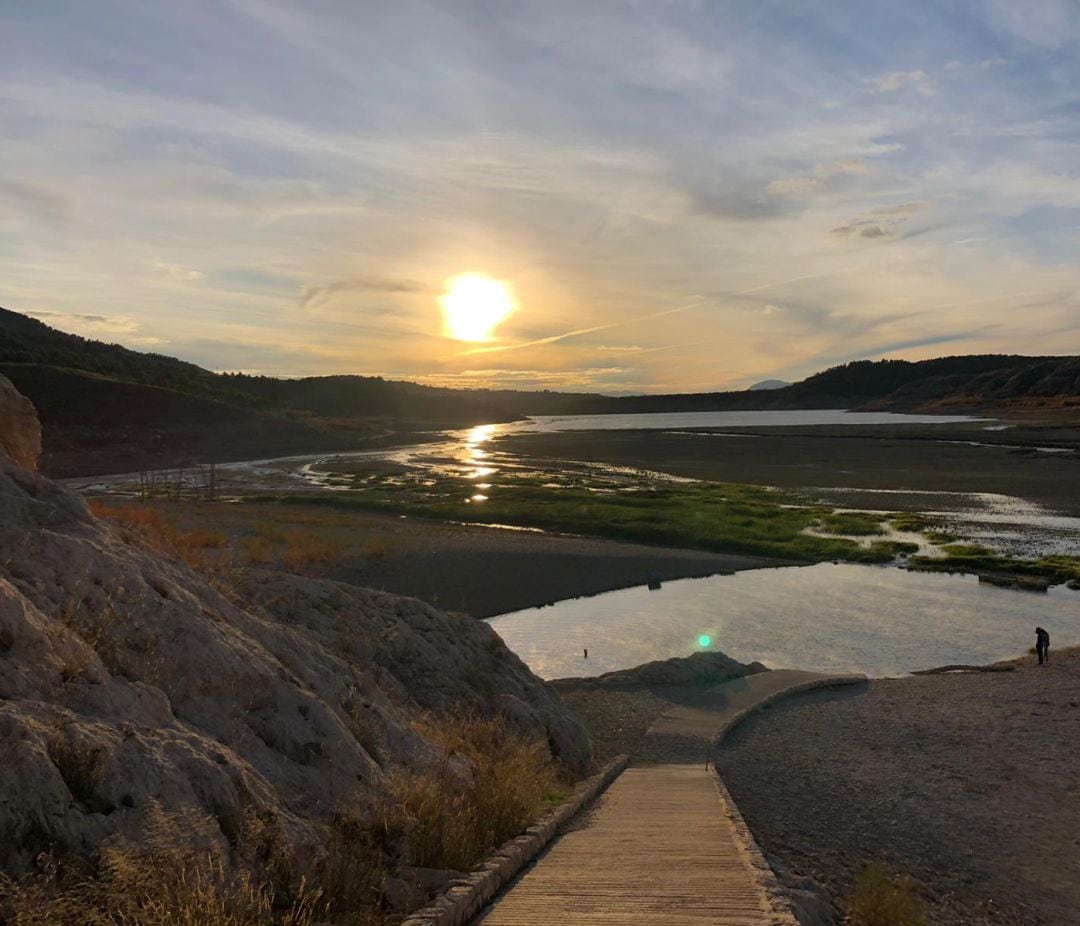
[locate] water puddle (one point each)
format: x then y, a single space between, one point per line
828 618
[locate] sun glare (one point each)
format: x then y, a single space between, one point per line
474 304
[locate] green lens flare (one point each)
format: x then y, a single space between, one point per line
704 640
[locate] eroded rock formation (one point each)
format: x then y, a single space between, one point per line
126 680
20 431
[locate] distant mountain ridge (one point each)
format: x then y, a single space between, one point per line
107 408
768 384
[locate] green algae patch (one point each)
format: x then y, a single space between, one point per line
910 521
720 517
852 523
975 558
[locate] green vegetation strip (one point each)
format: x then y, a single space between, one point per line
724 518
975 558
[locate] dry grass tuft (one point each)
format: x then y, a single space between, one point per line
350 871
152 526
163 882
454 824
376 548
305 550
881 899
180 874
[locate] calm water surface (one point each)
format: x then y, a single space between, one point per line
776 419
827 618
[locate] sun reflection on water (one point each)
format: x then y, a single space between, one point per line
475 455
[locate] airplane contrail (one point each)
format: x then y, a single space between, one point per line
578 331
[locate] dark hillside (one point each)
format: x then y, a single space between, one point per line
93 424
25 340
106 408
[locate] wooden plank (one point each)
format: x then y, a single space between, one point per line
657 849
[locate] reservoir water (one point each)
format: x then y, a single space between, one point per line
829 618
773 419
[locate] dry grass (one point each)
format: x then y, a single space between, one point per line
191 546
297 542
350 871
163 882
180 876
113 637
376 548
881 899
306 550
456 824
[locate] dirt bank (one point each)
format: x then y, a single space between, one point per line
967 782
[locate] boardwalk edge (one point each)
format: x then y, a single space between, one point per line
465 897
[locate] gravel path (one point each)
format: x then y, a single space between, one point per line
967 782
618 720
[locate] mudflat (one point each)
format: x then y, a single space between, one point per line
482 571
859 459
966 782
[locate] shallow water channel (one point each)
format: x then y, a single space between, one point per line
830 618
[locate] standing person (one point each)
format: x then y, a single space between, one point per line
1042 645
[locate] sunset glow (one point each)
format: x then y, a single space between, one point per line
693 210
474 305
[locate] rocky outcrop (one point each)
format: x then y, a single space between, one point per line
127 682
20 432
709 668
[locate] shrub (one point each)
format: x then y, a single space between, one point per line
881 899
456 823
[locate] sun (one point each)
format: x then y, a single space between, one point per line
474 304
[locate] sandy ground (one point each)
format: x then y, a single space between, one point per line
970 783
916 458
475 570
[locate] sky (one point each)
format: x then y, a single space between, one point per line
677 195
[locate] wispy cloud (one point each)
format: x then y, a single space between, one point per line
803 183
315 297
884 222
176 272
895 81
295 204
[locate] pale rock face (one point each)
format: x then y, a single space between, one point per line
20 431
125 679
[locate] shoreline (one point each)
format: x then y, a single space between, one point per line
482 571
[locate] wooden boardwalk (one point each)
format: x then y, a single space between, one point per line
663 845
659 849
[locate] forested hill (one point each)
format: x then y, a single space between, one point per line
104 407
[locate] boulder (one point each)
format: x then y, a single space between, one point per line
709 668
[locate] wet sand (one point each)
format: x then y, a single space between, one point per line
484 572
966 782
855 458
